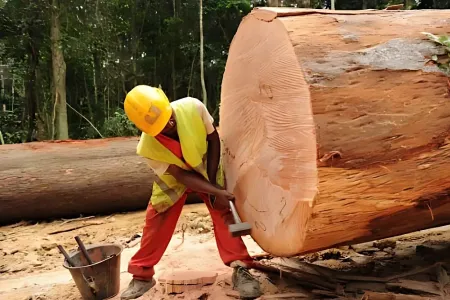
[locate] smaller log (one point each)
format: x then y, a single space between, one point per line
62 179
179 282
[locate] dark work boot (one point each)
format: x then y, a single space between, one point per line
137 288
245 283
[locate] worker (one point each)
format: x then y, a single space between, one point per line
183 149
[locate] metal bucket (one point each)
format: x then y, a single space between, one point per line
100 280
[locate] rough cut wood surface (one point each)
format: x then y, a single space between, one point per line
188 277
60 179
335 130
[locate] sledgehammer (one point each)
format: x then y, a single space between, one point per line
239 228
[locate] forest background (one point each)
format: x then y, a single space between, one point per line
66 66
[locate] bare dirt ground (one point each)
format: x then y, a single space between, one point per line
31 265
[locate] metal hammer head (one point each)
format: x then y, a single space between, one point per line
239 229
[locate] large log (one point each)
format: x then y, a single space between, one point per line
66 178
335 130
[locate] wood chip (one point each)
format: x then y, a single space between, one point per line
133 243
261 256
76 219
188 277
21 223
77 227
233 294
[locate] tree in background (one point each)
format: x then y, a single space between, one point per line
59 75
202 57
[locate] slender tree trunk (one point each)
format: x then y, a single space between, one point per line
172 60
12 94
88 100
30 88
118 94
3 85
202 67
59 74
174 78
134 42
108 95
190 76
94 78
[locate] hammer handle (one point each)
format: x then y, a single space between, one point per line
235 214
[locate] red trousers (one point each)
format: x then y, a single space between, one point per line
158 231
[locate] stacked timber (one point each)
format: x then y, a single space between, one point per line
336 131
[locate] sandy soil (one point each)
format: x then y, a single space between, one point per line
31 266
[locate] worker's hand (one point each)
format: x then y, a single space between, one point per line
222 200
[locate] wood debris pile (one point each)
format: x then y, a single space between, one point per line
428 281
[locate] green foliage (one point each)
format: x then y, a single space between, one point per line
442 61
119 125
11 127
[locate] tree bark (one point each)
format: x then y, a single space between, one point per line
335 132
202 59
59 74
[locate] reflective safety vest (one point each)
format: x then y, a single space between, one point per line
192 134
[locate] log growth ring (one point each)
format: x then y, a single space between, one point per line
268 131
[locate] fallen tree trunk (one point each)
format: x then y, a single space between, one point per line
43 180
335 131
68 178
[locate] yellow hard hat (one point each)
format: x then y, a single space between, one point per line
148 108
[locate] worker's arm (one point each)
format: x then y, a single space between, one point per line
213 156
198 183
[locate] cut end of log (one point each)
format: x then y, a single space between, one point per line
339 85
268 129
